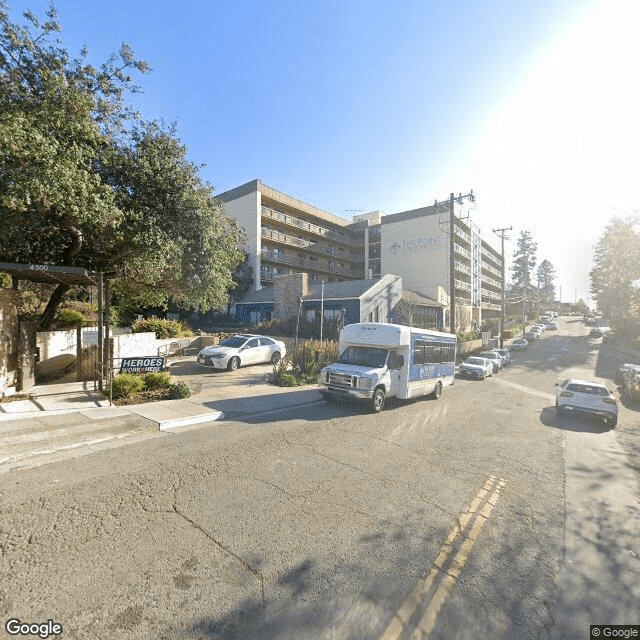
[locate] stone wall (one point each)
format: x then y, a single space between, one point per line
287 293
8 342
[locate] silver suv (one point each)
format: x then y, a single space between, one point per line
588 397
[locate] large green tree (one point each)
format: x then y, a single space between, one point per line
546 275
523 264
615 276
85 182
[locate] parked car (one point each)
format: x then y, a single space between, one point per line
587 397
531 335
495 358
631 385
240 350
623 370
599 332
476 367
519 344
552 326
506 356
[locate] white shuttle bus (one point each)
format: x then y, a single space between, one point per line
380 360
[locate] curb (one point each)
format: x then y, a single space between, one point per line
165 425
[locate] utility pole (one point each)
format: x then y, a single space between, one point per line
452 276
502 236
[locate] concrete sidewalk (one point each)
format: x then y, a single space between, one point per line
67 420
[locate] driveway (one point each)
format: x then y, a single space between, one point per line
191 372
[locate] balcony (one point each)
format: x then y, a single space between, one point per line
461 267
462 234
493 270
462 251
490 256
307 265
313 247
285 218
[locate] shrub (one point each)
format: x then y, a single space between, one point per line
179 390
162 328
306 363
68 318
157 380
125 385
312 355
467 336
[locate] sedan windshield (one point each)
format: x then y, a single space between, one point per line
363 356
474 361
233 341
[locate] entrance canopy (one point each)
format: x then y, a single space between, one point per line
50 274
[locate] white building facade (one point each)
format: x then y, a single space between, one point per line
286 236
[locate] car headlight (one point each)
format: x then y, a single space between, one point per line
365 382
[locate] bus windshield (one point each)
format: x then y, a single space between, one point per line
364 356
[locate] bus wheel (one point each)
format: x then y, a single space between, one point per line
377 400
437 392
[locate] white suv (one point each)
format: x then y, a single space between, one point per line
589 397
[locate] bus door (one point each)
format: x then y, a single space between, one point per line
397 365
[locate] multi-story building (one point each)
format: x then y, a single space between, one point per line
287 236
415 245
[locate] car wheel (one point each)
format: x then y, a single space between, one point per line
437 392
612 421
275 358
377 400
233 364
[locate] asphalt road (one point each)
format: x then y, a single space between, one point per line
483 514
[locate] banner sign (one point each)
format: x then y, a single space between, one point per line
138 365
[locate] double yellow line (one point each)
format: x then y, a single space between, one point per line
480 508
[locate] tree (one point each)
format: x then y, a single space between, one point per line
615 276
242 281
546 275
84 182
524 261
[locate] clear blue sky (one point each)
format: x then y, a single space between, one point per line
371 105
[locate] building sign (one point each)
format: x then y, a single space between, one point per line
139 365
420 243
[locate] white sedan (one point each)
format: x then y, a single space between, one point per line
476 367
240 350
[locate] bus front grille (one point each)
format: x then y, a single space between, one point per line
342 380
